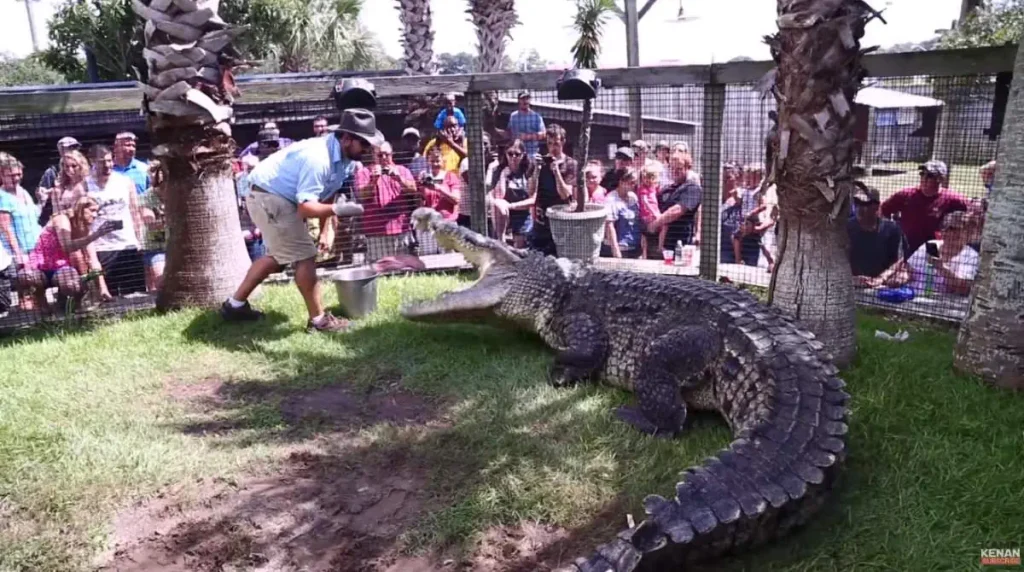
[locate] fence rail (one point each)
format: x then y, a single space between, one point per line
291 87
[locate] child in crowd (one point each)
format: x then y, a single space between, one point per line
647 193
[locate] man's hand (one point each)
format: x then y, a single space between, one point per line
375 172
343 208
323 245
867 282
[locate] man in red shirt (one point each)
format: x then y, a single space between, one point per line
387 193
919 210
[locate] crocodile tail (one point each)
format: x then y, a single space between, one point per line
773 477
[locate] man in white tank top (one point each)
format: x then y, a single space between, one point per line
119 252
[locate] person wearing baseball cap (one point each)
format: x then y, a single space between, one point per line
921 208
268 132
623 161
411 144
308 179
126 163
877 245
49 179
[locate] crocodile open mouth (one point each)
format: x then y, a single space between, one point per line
495 262
468 305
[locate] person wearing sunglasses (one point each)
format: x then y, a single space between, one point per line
268 132
511 196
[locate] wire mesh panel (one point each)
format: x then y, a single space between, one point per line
688 191
927 146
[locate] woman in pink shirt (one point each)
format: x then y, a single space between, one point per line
64 253
440 188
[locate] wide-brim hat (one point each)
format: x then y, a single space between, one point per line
360 123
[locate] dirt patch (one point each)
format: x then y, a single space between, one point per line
322 512
222 404
342 405
338 502
195 391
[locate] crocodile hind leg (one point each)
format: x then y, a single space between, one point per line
673 362
584 352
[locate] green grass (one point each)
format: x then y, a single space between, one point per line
963 179
86 427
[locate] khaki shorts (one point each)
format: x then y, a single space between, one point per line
284 232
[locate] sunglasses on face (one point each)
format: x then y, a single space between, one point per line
514 154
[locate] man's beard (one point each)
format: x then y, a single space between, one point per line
349 154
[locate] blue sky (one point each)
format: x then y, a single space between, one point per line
722 29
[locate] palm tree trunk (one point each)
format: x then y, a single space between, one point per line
417 36
991 340
418 45
814 283
188 96
493 19
818 57
206 256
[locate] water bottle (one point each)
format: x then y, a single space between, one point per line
677 258
929 279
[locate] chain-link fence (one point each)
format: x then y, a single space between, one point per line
685 196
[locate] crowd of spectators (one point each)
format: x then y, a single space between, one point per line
94 227
926 237
91 230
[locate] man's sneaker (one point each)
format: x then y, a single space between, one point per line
328 324
244 313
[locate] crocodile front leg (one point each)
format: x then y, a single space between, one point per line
585 344
673 362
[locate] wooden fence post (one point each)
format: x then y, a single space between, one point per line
711 173
476 190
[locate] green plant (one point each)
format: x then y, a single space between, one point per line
588 23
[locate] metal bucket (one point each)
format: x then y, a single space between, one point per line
357 291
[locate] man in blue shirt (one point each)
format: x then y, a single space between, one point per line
449 109
296 183
527 125
126 163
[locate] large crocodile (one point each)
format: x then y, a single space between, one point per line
678 343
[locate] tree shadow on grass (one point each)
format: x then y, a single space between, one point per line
210 328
